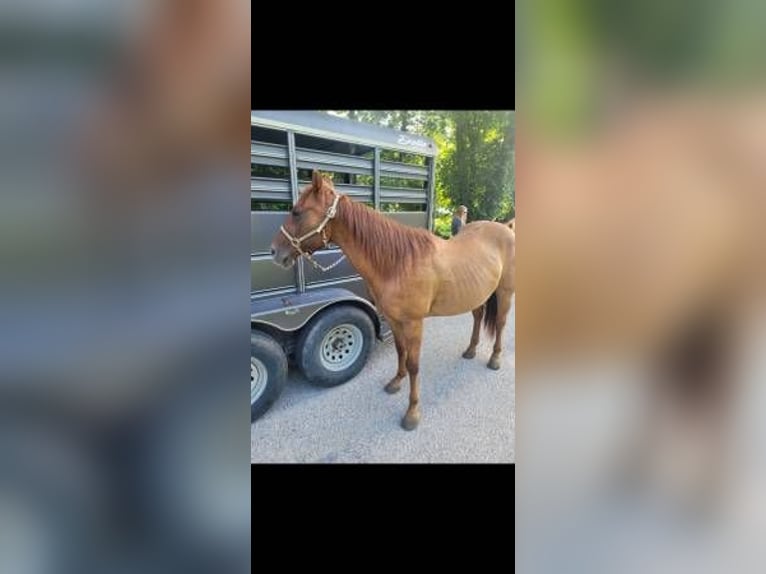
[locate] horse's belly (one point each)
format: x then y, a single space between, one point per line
455 303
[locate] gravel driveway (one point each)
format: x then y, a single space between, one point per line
468 410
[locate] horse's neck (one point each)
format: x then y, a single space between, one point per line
354 249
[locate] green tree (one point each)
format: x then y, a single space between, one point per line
475 165
480 172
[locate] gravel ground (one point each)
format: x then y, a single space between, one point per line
468 410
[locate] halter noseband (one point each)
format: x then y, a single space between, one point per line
320 229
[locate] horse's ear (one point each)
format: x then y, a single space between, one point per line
317 180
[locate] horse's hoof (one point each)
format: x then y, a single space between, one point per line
410 421
494 363
469 354
393 386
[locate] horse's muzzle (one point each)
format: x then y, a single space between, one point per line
283 257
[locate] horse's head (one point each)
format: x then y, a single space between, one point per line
308 226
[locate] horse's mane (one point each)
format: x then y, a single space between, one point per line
391 248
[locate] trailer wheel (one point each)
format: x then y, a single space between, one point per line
268 373
335 346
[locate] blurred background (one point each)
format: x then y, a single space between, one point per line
641 134
124 232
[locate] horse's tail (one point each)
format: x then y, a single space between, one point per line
490 315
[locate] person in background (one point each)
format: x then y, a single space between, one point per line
458 219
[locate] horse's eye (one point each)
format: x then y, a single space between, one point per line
296 212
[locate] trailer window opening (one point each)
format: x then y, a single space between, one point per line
402 157
259 205
337 178
403 183
400 207
269 171
267 135
304 176
333 146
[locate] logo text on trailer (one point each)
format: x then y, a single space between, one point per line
406 140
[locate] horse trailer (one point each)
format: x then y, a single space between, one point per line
323 322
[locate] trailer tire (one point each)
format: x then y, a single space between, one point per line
334 347
268 373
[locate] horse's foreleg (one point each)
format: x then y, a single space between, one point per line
413 337
395 383
478 314
503 307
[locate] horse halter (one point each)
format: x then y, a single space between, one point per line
320 229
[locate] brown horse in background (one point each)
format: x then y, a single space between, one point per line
173 102
411 273
657 265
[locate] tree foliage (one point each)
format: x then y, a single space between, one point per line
475 166
479 173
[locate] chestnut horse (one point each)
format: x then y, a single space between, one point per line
173 103
411 273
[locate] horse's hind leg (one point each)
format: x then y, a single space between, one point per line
478 314
413 337
395 383
503 307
